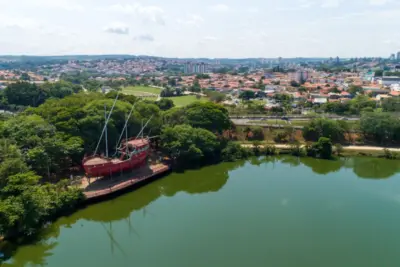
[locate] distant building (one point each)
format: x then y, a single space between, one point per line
299 76
190 67
398 56
392 57
389 80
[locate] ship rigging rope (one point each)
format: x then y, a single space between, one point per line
105 125
144 127
126 124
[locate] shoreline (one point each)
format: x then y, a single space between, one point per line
372 150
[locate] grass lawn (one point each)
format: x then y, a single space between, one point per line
181 101
140 90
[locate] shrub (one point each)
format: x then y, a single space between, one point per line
297 150
338 149
281 137
270 150
233 152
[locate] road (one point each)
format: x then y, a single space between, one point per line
253 121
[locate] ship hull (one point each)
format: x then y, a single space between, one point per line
110 167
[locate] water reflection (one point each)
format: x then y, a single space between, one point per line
206 180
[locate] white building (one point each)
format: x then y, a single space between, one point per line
389 80
395 87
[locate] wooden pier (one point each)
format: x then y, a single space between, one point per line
104 188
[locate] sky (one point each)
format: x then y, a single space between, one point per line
201 28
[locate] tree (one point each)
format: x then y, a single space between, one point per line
216 96
207 115
165 104
195 87
382 128
325 148
25 77
294 84
327 128
355 89
189 145
233 152
247 95
256 133
378 73
321 149
391 104
210 116
92 85
24 94
302 89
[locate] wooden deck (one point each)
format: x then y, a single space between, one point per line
101 188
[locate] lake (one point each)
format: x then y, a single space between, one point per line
273 211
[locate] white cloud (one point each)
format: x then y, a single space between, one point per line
252 10
59 4
220 8
378 2
194 20
144 38
331 3
152 13
18 22
305 3
118 28
210 38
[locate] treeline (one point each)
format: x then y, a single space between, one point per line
19 95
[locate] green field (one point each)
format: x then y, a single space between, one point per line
181 101
140 90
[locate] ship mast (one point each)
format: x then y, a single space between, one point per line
105 126
125 126
106 135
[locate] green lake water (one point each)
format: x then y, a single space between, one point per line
270 212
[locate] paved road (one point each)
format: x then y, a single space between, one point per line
299 118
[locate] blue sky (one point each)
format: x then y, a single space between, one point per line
201 28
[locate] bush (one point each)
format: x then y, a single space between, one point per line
281 137
338 149
391 155
233 152
297 150
256 133
270 150
321 149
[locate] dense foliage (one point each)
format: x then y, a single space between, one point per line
209 116
29 94
333 129
353 107
380 127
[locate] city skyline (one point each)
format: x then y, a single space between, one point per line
201 29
